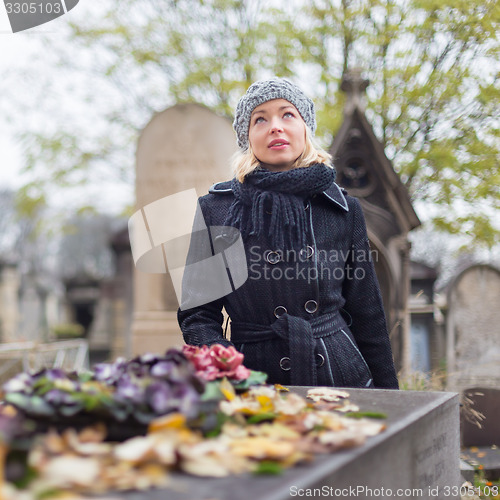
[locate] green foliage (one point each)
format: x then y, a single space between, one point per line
68 330
433 98
255 378
213 392
484 487
366 414
418 381
268 467
261 417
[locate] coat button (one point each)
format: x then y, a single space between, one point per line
273 257
321 360
285 364
307 253
311 306
279 311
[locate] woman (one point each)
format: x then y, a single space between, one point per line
310 311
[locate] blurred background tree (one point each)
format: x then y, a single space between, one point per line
433 98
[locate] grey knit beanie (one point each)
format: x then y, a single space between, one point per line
267 90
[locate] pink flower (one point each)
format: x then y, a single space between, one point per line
210 373
241 373
217 361
225 358
199 356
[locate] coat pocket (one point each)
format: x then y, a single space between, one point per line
348 365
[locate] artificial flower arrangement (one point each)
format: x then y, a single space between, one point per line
135 391
198 410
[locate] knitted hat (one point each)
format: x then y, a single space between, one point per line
267 90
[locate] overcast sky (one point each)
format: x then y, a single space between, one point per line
21 51
14 48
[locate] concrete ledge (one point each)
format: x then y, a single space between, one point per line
418 453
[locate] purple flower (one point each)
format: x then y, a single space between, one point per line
159 396
176 356
110 373
58 398
163 369
11 426
55 374
148 358
23 382
188 400
128 389
137 369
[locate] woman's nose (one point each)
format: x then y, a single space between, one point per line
276 126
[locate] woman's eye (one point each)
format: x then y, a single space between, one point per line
259 119
289 114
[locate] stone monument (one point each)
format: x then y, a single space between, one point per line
364 170
473 329
184 147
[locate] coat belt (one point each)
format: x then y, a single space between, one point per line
300 334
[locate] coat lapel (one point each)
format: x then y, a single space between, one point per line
336 195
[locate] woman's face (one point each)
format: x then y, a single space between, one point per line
277 134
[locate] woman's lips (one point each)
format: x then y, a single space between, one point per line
278 144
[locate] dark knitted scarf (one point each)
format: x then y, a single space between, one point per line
272 203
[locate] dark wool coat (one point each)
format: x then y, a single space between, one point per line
310 316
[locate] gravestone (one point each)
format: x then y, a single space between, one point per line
485 401
9 301
473 329
184 147
481 442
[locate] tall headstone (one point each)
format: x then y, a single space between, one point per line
473 329
186 146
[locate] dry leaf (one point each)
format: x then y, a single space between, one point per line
326 394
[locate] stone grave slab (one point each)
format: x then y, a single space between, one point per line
417 456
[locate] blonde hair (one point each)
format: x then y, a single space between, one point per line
245 162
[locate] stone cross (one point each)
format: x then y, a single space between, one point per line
354 85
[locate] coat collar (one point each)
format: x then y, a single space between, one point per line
334 193
221 188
